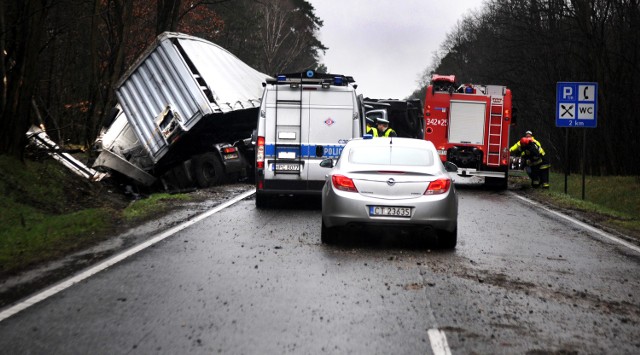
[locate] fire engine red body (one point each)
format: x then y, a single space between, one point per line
469 125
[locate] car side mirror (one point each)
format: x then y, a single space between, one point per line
326 163
450 167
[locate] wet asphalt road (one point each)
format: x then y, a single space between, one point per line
249 281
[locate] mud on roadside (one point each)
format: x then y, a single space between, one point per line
27 282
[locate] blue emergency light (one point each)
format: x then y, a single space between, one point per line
282 78
337 80
310 74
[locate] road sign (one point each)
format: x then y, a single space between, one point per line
576 104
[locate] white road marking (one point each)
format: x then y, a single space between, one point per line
438 341
583 225
116 259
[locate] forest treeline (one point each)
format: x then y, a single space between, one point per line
530 45
61 58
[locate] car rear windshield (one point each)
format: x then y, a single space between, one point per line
391 155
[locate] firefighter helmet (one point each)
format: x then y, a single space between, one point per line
525 141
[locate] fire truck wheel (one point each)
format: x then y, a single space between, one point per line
208 170
447 240
496 183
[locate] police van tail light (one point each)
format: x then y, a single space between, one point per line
343 183
260 153
438 187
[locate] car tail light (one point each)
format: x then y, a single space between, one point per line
228 150
260 153
343 183
438 187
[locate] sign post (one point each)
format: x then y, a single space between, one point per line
577 107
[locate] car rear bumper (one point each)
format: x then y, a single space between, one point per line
428 212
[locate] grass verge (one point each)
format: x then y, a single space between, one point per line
46 212
612 201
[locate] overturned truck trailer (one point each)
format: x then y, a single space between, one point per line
192 107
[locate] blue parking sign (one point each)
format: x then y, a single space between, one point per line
576 104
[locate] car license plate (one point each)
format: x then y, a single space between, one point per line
390 211
286 167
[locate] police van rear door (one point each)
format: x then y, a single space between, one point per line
330 126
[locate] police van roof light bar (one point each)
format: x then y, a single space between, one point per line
317 78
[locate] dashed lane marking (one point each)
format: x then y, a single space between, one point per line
438 340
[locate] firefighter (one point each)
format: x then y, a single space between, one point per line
516 147
384 130
370 126
536 163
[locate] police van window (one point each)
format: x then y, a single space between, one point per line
391 156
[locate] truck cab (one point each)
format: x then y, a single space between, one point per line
304 118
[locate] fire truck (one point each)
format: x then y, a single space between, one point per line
469 125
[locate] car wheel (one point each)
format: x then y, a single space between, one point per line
448 240
328 235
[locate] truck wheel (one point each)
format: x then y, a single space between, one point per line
208 170
447 240
496 183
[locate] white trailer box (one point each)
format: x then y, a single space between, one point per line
179 81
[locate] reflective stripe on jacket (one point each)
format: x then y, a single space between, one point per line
517 148
534 156
388 132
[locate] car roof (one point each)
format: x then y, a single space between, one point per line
380 141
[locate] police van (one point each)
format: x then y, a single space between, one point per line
304 118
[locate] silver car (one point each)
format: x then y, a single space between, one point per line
394 183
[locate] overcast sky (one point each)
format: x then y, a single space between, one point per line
386 45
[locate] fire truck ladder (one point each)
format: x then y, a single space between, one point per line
495 132
286 146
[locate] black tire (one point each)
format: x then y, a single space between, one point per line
208 170
328 235
262 200
498 183
448 240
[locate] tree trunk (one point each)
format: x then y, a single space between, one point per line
22 73
167 16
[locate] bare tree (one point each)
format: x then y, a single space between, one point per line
63 57
533 44
287 36
167 15
21 43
